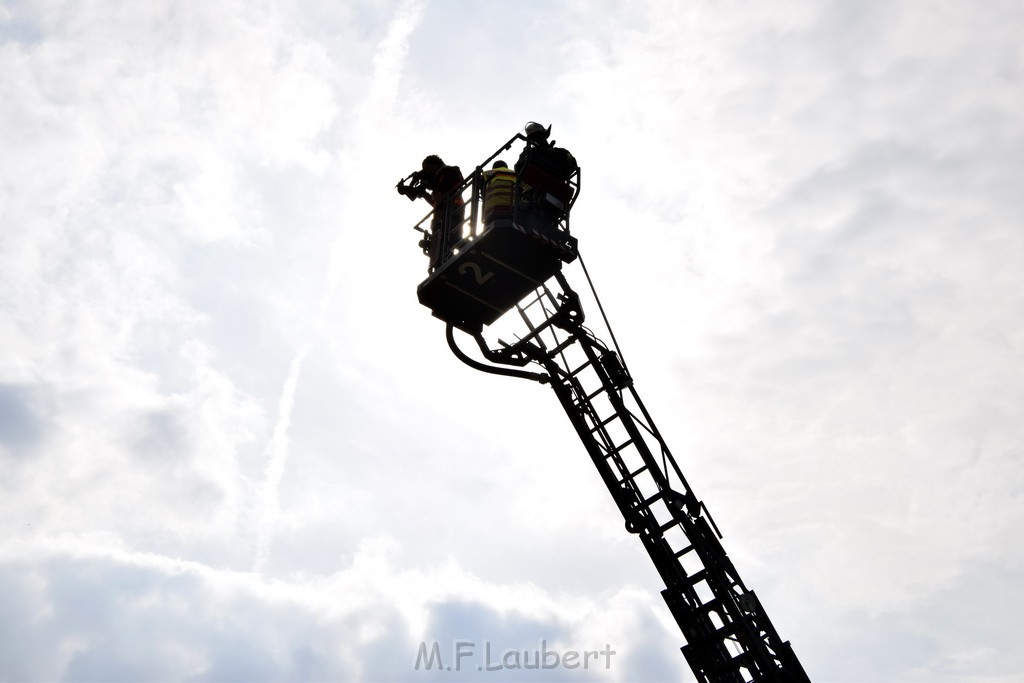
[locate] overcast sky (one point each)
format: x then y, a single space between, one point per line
234 447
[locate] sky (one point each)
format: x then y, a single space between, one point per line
234 447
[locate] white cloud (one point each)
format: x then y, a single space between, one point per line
103 611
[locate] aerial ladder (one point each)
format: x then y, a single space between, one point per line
502 264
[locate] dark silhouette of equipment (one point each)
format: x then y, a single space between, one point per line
514 263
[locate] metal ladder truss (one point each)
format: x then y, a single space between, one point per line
729 637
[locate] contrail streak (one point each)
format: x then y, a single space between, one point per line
387 70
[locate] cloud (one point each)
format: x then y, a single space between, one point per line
102 612
23 416
802 220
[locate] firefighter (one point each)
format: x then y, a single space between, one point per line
543 171
437 182
499 191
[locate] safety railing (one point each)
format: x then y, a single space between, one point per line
457 228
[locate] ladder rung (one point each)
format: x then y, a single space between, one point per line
602 423
667 525
618 449
539 297
580 369
562 347
632 475
653 498
726 630
595 393
697 576
682 552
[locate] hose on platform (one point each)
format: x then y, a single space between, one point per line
493 369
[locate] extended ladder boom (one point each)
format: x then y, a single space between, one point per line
729 636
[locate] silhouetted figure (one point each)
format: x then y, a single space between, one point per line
440 183
499 192
543 171
437 183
